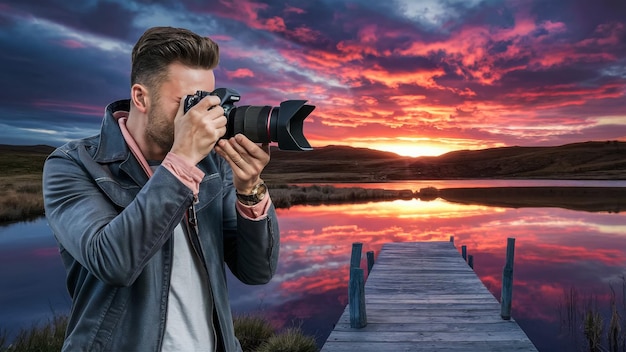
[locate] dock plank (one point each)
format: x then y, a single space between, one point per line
422 296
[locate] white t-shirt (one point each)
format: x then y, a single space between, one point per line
189 324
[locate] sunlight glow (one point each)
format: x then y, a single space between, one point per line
413 149
405 209
409 146
404 146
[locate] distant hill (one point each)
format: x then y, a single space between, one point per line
21 149
23 160
587 160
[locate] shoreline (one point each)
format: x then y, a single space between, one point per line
21 198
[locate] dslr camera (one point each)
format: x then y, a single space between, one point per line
261 124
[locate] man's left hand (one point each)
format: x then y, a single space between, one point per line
246 158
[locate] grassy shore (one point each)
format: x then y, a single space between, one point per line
21 197
255 334
285 196
20 184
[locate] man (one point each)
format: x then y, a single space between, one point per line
147 212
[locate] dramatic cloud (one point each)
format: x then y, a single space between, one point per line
413 77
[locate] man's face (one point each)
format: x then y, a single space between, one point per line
180 82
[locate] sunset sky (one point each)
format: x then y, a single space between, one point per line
416 77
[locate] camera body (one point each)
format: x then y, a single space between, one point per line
261 124
228 98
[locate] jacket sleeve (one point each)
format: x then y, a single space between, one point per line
113 241
251 247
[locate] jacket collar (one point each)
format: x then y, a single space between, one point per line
113 148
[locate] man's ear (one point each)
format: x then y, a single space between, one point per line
139 97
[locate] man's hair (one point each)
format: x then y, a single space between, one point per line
158 47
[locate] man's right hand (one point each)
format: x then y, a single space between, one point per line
197 131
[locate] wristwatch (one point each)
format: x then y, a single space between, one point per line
258 193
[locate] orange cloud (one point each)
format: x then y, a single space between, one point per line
239 73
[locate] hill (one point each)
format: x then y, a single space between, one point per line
22 160
587 160
26 149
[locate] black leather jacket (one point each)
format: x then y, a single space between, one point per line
113 226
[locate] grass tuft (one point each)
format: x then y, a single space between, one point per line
252 331
45 338
291 340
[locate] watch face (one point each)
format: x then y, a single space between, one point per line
257 195
261 191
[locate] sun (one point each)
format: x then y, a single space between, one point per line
414 149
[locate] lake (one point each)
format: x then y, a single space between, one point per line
558 253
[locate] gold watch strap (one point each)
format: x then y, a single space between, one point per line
257 195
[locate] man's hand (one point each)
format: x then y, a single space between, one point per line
197 131
246 159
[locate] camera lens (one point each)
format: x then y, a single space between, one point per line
251 121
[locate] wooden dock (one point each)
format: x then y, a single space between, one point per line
422 296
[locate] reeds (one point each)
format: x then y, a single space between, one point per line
617 324
586 326
20 198
593 329
285 196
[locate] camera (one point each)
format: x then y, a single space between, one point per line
261 124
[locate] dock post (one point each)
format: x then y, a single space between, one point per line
470 261
507 281
355 259
370 261
358 317
452 239
464 252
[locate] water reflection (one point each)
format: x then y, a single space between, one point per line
556 249
31 276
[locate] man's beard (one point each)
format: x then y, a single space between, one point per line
160 128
